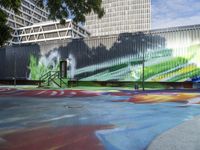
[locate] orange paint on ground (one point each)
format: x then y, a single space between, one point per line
162 97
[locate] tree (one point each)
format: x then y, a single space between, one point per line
58 9
4 29
78 9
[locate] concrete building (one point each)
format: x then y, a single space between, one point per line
29 13
32 25
121 16
48 31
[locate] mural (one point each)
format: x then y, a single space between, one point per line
43 65
102 119
160 66
168 56
165 60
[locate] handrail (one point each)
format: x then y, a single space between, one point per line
50 76
44 75
47 74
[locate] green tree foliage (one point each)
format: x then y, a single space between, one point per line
4 29
58 9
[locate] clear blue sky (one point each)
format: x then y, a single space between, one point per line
168 13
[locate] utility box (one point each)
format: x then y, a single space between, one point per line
63 69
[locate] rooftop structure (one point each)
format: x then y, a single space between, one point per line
49 30
29 13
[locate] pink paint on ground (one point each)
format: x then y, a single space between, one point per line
48 93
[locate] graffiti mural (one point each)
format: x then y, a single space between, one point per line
101 119
169 55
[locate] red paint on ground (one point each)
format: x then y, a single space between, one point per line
63 138
48 93
121 94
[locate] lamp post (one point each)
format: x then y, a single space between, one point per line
143 60
14 68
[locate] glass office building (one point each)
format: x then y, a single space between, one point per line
121 16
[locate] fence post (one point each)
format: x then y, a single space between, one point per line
15 68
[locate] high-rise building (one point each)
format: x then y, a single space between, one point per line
32 25
49 31
29 13
120 16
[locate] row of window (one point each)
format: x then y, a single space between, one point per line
126 7
47 36
122 14
119 29
125 2
30 5
116 22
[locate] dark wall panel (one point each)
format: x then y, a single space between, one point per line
2 62
17 61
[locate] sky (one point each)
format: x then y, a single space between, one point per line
170 13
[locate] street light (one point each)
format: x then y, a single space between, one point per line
14 68
143 59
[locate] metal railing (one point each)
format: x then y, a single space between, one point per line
51 77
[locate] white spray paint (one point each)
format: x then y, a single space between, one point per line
72 65
51 61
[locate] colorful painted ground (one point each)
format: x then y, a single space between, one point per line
90 120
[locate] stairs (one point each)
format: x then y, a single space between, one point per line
53 79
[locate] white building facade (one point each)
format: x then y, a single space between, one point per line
31 25
49 31
29 13
121 16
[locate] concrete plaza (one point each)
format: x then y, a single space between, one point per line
104 118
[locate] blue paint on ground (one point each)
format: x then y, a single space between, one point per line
135 125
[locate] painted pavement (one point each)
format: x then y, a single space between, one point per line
88 120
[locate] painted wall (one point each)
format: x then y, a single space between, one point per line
170 56
2 62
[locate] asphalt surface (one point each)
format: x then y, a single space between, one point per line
183 137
